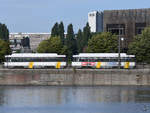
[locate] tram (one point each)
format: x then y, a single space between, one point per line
35 60
103 60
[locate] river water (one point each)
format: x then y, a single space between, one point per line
48 99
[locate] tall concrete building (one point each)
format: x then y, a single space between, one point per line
128 23
95 20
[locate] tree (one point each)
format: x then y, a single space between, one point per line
4 42
55 45
79 39
140 46
61 32
52 45
86 35
4 32
103 43
43 47
70 42
4 50
55 30
64 50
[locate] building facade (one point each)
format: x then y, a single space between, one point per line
95 20
19 40
126 23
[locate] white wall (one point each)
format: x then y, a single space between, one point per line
92 20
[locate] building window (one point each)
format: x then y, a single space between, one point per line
116 29
92 14
139 27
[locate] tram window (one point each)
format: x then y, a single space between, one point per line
75 59
8 59
14 60
131 59
123 60
90 60
115 60
127 59
46 59
82 59
57 59
95 59
105 60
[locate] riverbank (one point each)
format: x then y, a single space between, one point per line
79 77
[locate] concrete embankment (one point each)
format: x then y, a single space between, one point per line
89 77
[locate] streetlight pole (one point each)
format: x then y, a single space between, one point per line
122 47
119 63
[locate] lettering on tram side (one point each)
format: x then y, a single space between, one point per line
54 77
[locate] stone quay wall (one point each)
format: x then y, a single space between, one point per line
74 77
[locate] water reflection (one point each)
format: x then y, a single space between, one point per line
44 99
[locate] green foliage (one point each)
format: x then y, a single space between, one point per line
58 30
4 33
79 39
86 35
55 45
55 31
71 42
43 47
64 50
4 50
102 43
18 51
83 37
56 42
61 32
140 46
52 45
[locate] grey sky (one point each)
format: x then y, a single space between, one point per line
40 15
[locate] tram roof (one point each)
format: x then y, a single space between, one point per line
103 55
35 55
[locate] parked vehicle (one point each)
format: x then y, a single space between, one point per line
103 60
83 60
35 60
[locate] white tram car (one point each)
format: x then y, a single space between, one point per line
103 60
35 60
